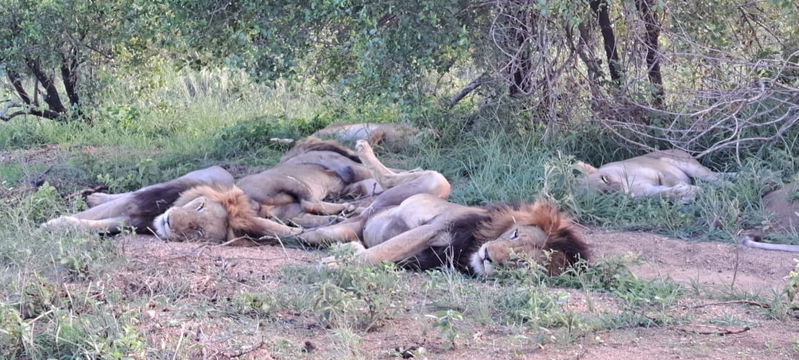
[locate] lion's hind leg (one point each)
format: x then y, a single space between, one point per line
399 186
694 169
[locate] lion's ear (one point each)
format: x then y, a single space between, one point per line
585 168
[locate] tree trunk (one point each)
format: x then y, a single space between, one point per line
645 7
51 96
69 75
600 8
521 83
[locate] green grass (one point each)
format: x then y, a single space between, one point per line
143 137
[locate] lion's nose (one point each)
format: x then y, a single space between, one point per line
487 257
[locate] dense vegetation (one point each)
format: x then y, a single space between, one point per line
130 93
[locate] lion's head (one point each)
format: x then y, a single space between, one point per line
214 214
603 180
538 231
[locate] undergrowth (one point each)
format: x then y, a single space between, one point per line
223 119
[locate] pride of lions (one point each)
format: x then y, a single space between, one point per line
316 193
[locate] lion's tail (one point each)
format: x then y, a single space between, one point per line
566 245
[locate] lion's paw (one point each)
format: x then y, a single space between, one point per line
62 222
363 147
686 193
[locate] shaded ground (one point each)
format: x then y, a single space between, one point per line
205 275
184 297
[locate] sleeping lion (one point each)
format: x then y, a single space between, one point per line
205 205
392 136
668 173
411 223
783 205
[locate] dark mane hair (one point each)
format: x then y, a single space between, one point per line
154 201
462 245
469 232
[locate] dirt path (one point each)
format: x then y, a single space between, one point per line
708 263
210 272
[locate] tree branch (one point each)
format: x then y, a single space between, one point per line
600 8
467 89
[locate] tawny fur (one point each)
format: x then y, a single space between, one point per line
541 214
241 215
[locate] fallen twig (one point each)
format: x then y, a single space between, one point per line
711 329
86 192
746 302
247 351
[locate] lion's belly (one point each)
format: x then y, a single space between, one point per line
666 175
415 211
382 227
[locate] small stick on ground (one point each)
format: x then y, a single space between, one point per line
86 192
746 302
243 352
711 330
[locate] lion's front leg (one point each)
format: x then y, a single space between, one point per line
348 231
405 245
99 198
110 225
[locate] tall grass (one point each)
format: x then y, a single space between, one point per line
155 128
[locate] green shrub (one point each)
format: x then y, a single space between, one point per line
350 295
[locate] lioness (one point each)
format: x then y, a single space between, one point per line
665 173
783 204
411 223
392 136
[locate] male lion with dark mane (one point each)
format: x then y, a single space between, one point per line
204 205
412 224
667 173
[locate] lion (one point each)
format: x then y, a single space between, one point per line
783 204
110 213
411 223
392 136
667 173
311 172
216 214
294 190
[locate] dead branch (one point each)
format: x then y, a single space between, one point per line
467 89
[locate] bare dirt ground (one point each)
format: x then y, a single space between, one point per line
214 273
